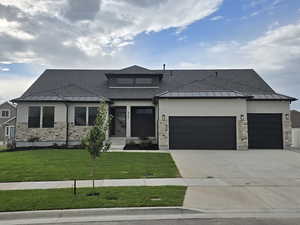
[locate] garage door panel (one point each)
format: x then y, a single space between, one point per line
202 132
265 131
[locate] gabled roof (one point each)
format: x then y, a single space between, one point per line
64 84
10 103
135 70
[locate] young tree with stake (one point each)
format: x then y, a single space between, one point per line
96 141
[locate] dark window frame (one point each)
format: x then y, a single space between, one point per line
151 132
34 121
6 111
91 121
77 121
135 81
48 124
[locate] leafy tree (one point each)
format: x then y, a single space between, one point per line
96 141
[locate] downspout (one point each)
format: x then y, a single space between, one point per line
67 124
156 102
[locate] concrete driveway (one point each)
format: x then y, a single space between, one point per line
251 180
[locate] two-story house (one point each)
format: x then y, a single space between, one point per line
8 113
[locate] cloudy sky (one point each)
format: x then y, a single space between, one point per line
40 34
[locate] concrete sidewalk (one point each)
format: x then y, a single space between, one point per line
190 182
112 183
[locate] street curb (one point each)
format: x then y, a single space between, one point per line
196 214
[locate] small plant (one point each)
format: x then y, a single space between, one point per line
96 140
11 145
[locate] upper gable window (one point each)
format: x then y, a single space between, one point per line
133 82
5 113
143 81
125 81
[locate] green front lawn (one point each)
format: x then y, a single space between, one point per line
60 164
109 197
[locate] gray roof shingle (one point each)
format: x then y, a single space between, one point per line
63 83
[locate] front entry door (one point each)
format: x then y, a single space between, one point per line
142 121
118 123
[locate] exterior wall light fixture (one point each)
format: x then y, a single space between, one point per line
163 117
242 117
287 116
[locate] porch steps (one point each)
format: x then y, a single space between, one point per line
117 143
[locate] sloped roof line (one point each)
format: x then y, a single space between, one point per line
135 67
7 121
8 102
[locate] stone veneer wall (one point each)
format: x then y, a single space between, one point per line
163 134
242 141
51 135
58 133
76 133
287 132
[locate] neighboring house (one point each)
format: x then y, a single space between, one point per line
8 113
295 118
178 109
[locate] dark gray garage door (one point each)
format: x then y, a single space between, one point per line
202 132
264 131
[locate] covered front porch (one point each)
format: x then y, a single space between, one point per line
132 122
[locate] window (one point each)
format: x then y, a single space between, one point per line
125 81
34 117
36 113
93 111
80 116
48 117
85 116
7 131
5 113
144 110
143 81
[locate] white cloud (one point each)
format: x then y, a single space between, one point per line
13 86
215 18
4 69
14 29
86 33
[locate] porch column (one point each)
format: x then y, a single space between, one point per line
128 121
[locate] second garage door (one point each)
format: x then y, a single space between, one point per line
202 132
265 131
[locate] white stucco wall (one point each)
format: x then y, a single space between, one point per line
268 107
202 107
296 137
